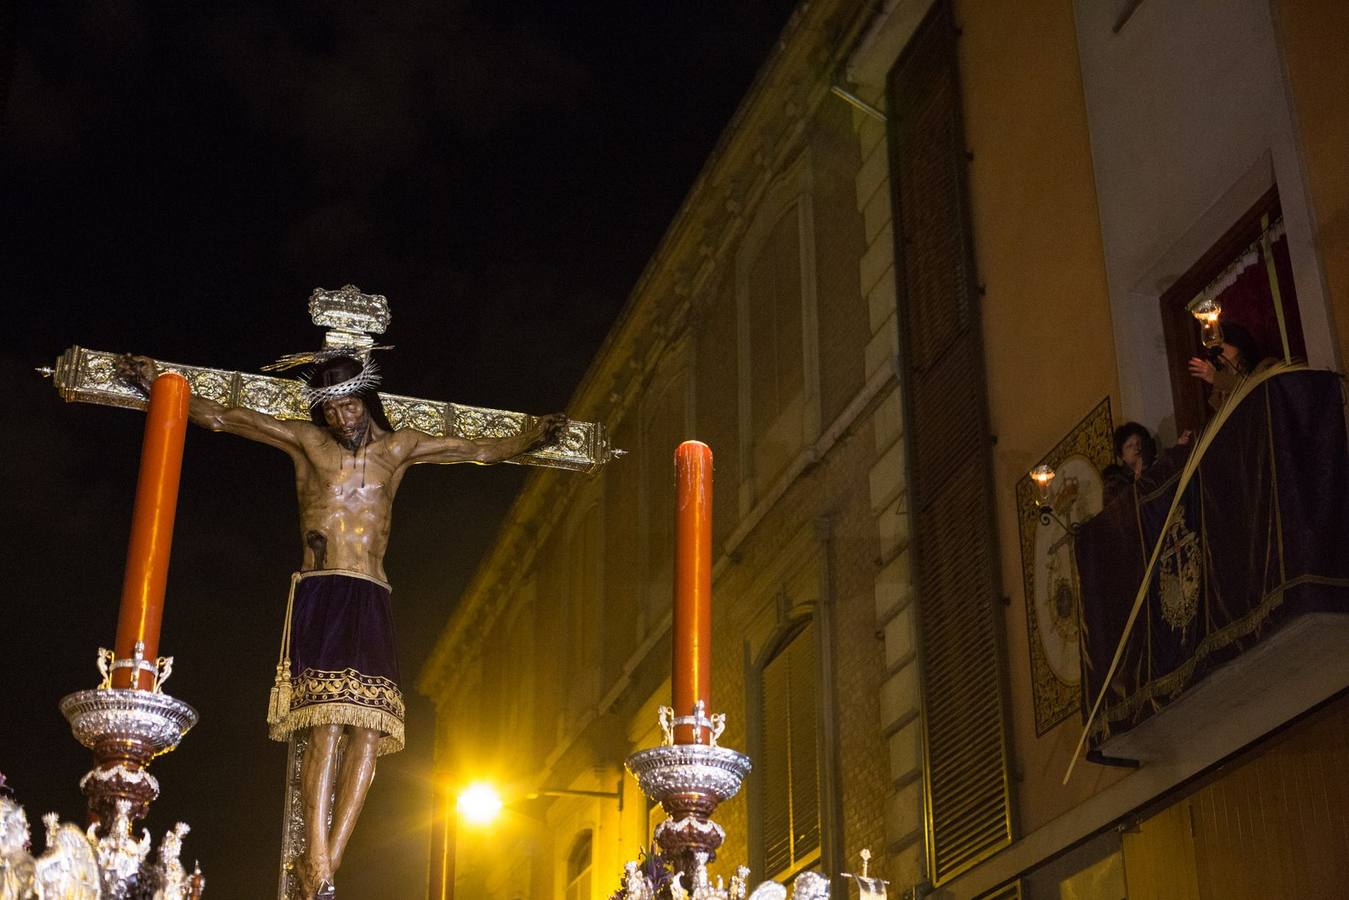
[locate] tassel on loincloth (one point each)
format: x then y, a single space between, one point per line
278 704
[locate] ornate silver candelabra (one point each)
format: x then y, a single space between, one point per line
125 728
689 781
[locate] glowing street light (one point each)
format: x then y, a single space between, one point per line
479 804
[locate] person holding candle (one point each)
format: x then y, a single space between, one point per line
339 669
1237 357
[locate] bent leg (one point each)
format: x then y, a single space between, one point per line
317 789
358 771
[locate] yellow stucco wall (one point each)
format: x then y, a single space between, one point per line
1315 39
1049 345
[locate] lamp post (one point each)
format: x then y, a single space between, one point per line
443 834
478 804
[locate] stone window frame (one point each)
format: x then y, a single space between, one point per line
792 622
579 880
792 187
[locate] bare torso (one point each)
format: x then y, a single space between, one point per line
346 501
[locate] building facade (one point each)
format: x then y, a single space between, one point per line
941 241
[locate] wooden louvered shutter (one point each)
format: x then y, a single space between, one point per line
789 759
777 804
954 545
805 764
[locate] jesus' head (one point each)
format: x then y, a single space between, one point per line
347 417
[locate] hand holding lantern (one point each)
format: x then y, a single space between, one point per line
1207 313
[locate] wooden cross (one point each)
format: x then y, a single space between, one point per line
90 376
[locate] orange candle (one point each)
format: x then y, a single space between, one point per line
692 672
147 556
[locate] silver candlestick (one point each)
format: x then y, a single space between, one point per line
689 781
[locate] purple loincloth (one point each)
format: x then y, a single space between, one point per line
343 667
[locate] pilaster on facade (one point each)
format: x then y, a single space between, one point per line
900 698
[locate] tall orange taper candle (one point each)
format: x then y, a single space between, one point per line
691 679
147 555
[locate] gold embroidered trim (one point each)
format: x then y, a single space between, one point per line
346 686
1174 682
344 697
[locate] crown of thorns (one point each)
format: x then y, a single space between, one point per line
368 377
364 380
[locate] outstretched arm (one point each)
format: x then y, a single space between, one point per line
425 448
141 372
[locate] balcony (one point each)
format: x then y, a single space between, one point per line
1245 621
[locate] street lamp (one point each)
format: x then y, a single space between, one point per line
479 803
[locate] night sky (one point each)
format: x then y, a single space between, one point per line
175 180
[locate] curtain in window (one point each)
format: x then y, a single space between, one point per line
1244 293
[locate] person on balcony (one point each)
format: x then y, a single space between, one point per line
1135 450
1237 359
1135 453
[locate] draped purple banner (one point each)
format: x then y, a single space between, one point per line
1261 537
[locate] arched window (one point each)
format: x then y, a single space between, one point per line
789 756
578 868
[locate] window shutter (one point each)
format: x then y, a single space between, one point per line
776 716
790 755
804 752
968 810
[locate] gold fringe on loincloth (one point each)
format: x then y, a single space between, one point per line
341 698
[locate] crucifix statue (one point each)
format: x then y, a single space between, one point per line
336 697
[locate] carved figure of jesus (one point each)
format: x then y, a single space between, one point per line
348 462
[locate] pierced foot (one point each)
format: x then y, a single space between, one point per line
326 891
313 879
